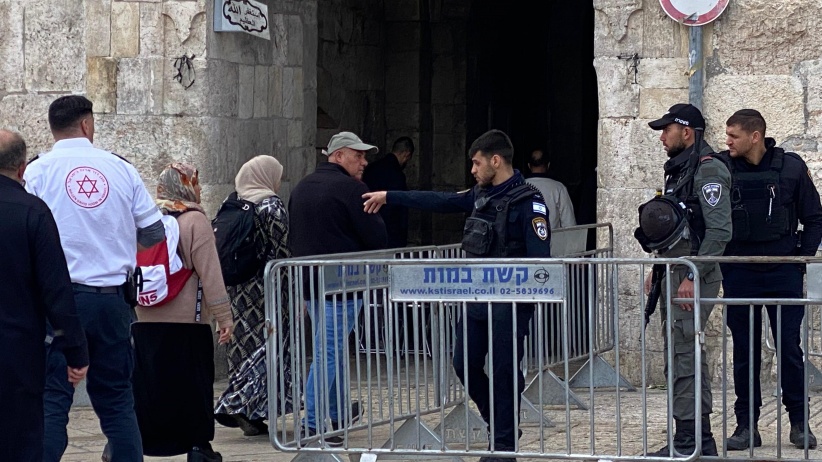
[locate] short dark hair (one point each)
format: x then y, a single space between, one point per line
403 143
749 120
539 157
493 142
12 150
66 111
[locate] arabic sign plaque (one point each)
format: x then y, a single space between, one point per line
247 16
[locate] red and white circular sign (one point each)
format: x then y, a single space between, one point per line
87 187
694 12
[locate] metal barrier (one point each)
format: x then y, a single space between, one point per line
414 405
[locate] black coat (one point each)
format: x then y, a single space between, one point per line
35 287
386 174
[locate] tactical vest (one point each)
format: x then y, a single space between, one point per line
756 211
486 230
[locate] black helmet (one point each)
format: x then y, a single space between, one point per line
662 221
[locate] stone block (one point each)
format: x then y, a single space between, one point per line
140 86
618 206
27 114
98 27
402 77
138 138
125 29
292 92
402 10
54 46
152 30
630 155
618 95
275 91
214 91
663 73
293 40
185 28
101 83
780 99
617 27
653 102
11 46
279 140
261 86
295 134
810 73
757 37
662 37
245 109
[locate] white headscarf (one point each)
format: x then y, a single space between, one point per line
259 178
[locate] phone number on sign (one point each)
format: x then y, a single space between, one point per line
526 291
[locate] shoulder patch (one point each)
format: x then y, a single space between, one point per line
712 192
539 207
540 227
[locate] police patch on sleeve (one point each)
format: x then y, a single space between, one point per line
540 227
712 192
539 208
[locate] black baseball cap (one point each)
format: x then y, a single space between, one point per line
683 114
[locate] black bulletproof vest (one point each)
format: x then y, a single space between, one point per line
486 230
757 212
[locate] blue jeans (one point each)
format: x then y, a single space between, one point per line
106 320
331 332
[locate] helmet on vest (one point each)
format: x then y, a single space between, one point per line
662 221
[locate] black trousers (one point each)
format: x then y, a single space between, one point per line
473 347
785 281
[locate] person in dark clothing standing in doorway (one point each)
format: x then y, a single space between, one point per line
387 174
35 288
772 194
516 215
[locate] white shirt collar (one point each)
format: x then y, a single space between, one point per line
72 143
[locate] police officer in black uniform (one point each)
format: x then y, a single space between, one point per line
772 193
696 196
509 218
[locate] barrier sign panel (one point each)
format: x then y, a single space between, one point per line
498 282
354 277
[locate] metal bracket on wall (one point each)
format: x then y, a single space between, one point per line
634 65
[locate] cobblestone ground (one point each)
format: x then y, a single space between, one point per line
616 430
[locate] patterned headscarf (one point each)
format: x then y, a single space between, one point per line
176 189
258 179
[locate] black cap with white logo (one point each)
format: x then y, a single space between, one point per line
683 114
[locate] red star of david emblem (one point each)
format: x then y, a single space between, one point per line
86 181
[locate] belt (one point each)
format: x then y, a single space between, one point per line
95 290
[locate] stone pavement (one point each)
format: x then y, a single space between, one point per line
86 441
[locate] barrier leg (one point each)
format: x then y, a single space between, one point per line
814 379
316 457
553 391
414 435
603 374
531 416
456 423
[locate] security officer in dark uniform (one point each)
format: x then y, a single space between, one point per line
509 218
772 193
696 188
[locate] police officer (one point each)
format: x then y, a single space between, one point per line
103 212
772 193
700 182
509 218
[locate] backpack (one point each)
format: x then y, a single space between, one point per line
160 272
234 227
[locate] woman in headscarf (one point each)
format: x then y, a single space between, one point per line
174 344
244 403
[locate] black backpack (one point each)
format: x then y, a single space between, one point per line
234 228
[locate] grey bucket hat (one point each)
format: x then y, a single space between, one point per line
348 140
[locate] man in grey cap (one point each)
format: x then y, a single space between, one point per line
326 216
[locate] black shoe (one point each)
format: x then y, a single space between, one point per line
107 453
741 439
250 427
798 436
333 441
356 413
203 454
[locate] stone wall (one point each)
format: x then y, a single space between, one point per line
772 65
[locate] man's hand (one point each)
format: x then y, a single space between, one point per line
648 282
373 201
225 334
686 290
76 375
